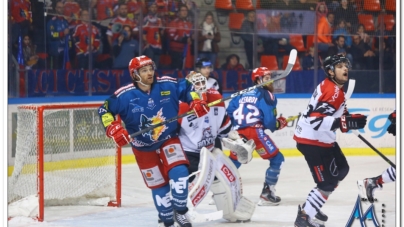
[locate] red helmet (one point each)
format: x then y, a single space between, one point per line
258 72
138 62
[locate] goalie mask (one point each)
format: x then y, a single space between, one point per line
198 81
137 63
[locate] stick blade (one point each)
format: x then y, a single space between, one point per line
292 56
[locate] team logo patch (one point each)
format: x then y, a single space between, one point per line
152 176
146 122
150 104
165 93
261 151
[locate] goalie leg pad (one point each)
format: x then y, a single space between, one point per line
227 190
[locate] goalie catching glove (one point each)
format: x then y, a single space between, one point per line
352 121
240 146
118 134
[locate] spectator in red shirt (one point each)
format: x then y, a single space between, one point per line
105 9
83 39
179 31
20 18
72 13
152 33
134 8
233 63
116 25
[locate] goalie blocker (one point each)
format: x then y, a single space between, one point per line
226 188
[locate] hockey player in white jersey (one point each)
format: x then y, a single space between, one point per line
316 139
200 133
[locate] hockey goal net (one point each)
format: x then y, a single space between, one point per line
62 158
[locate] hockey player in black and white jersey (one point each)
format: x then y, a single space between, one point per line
205 67
196 134
316 139
369 185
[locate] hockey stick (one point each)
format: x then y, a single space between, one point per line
371 146
348 95
291 63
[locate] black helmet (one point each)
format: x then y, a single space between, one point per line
202 62
331 61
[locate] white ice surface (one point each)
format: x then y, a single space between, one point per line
294 184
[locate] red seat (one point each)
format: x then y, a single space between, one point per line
310 41
235 20
270 62
165 59
244 5
223 4
367 21
372 5
391 5
297 65
296 40
388 19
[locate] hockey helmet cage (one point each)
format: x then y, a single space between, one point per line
259 72
198 81
331 61
138 62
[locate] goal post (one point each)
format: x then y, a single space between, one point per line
62 157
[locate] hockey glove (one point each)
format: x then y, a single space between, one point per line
118 134
240 146
352 121
200 107
281 123
392 128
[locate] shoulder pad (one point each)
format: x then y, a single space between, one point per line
124 89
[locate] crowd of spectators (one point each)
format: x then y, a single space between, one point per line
108 33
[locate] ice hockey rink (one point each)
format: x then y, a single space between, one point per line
294 184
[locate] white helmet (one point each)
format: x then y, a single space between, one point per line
198 80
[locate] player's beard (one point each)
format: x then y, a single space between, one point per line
269 87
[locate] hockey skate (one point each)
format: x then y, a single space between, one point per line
268 197
304 220
320 217
182 220
367 187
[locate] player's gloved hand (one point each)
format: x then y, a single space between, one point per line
281 123
200 107
392 128
352 121
118 134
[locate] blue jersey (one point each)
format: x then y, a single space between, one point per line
55 34
139 110
256 108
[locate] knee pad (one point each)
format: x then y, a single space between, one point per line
343 172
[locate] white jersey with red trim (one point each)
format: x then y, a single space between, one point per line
196 133
326 104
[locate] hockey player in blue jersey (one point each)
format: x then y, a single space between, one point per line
159 154
252 113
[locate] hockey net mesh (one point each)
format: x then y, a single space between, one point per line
79 161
